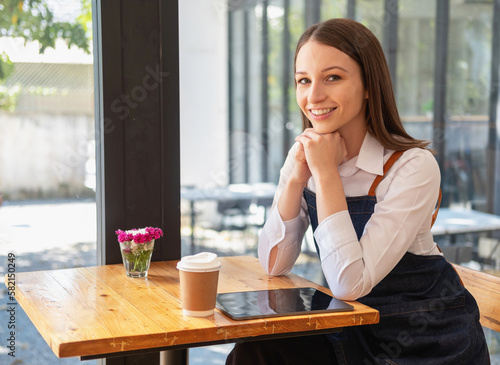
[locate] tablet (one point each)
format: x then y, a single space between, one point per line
278 302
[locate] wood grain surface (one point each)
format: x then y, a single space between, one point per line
99 310
485 288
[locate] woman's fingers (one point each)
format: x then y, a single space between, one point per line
307 137
321 151
309 133
302 139
300 154
310 136
301 172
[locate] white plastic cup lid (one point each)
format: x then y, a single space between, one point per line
201 262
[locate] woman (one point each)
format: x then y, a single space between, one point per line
368 189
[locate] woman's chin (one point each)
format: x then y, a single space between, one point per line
322 129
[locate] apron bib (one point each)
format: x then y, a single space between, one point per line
426 314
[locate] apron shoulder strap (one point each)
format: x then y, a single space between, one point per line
395 155
435 214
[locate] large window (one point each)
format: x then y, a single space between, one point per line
441 55
47 144
442 63
263 116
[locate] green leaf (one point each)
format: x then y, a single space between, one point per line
33 20
6 66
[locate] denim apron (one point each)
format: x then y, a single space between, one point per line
426 314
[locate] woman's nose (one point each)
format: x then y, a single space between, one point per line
316 93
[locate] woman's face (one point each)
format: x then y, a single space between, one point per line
330 90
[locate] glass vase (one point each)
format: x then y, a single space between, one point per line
136 257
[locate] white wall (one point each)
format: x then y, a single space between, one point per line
203 92
44 155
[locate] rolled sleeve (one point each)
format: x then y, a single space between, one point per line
287 235
334 232
341 256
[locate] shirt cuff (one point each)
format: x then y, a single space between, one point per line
334 232
277 232
276 227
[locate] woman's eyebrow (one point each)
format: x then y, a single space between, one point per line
333 67
323 70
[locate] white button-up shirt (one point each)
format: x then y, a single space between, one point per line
401 222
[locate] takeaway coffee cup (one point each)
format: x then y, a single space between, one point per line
199 275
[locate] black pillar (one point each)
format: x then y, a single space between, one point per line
351 9
287 74
264 98
391 37
312 12
493 160
440 69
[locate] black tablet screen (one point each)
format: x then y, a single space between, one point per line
278 302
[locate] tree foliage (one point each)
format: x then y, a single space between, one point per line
33 20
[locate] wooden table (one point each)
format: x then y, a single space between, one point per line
98 312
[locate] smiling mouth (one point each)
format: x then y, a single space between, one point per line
319 112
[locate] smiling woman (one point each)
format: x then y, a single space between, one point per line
330 90
368 191
359 58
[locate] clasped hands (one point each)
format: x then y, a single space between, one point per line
318 154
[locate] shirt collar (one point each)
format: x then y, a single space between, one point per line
371 156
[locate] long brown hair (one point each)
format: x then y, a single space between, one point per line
358 42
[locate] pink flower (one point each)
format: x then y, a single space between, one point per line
139 235
141 238
155 233
123 236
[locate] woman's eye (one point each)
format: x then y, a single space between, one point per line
303 81
333 77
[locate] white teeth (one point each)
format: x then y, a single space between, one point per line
321 111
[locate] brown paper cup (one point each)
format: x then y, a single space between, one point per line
198 292
199 276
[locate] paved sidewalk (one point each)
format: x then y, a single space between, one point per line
54 235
